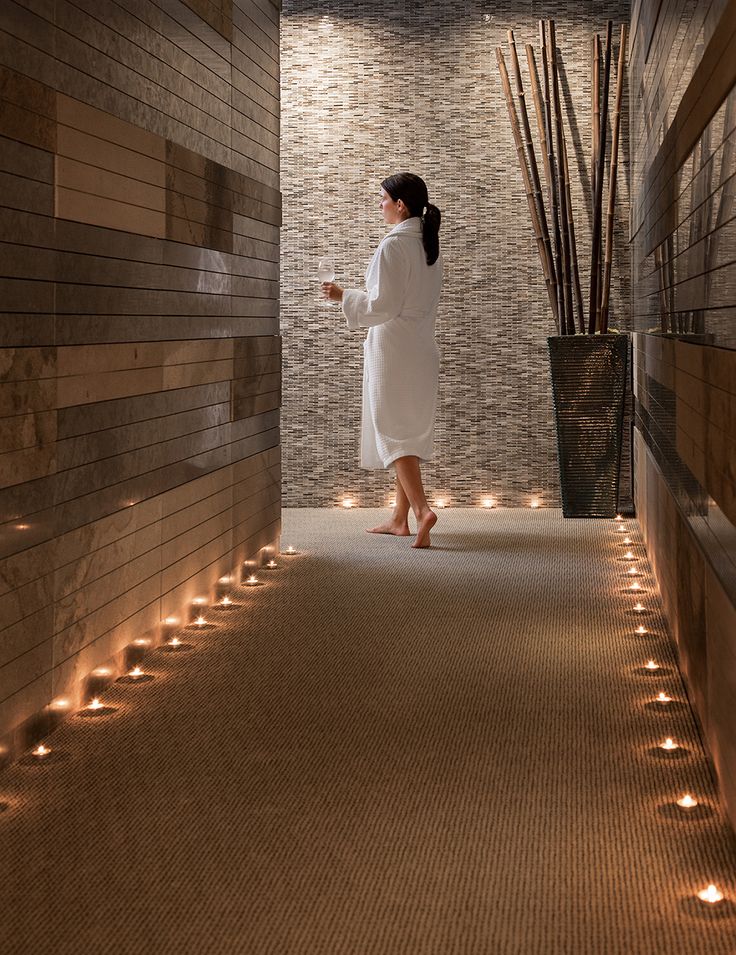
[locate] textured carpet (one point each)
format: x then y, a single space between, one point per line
385 751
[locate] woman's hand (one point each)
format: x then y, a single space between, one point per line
331 291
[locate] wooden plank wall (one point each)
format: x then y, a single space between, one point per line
683 125
140 357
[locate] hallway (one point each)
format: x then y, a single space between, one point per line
384 751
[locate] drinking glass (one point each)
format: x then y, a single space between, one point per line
325 273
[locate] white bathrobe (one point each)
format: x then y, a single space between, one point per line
400 355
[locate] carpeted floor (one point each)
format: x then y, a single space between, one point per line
385 751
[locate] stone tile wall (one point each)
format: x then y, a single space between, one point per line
372 88
139 341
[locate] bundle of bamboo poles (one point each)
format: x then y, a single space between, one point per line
551 208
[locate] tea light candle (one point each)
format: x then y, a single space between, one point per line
711 896
174 642
639 608
687 802
199 601
200 621
629 555
618 517
633 572
289 551
627 540
651 665
635 586
620 528
136 672
95 704
272 565
226 602
663 698
252 580
641 630
669 745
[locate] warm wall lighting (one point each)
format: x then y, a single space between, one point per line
171 621
200 601
101 671
61 704
651 665
663 698
711 896
687 802
141 642
669 745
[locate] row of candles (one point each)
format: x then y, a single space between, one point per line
711 895
487 502
137 673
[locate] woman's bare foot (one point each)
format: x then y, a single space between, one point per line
424 526
396 527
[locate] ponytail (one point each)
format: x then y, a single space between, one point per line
412 190
430 232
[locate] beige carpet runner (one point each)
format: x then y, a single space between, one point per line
384 751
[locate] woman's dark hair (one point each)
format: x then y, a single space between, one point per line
412 191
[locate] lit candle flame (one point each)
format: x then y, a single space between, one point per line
687 802
174 642
41 750
200 621
640 608
136 671
95 704
627 540
651 665
226 601
272 565
669 744
711 895
621 529
629 555
618 517
635 586
252 580
290 550
641 630
632 571
663 698
200 601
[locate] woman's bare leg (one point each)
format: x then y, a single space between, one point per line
398 524
410 477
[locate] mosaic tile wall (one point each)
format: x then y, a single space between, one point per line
369 88
139 344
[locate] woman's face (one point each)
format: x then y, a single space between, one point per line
393 212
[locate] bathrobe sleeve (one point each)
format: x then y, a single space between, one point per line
387 280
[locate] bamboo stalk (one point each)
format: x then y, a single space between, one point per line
553 182
612 181
561 185
533 168
595 255
525 172
574 249
595 125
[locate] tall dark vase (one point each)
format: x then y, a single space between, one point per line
588 384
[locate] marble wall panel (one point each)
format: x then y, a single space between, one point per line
139 231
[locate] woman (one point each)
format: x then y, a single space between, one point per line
401 360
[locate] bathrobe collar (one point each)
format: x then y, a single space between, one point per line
414 224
